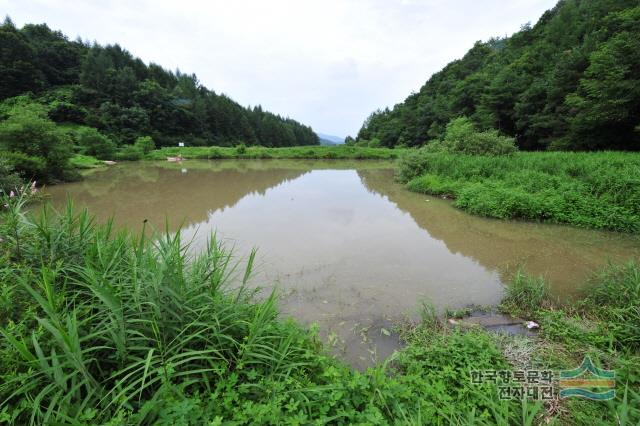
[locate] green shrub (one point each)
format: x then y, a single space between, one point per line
9 180
462 137
145 144
29 133
241 149
215 153
85 161
27 167
128 153
62 111
95 144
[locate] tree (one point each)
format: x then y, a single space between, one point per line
108 88
18 73
145 144
37 137
95 143
569 81
607 103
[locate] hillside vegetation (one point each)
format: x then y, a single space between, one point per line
107 88
60 97
570 82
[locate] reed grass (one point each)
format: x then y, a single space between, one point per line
106 327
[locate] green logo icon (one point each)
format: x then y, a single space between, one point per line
587 381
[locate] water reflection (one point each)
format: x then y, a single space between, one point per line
346 246
564 255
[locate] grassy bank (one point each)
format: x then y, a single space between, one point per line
598 190
306 152
105 328
604 325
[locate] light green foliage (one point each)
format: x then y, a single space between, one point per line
129 153
145 144
614 296
241 149
80 161
525 295
462 137
590 190
604 324
40 151
95 144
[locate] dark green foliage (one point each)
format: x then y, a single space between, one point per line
95 144
591 190
569 82
18 72
105 87
9 179
129 153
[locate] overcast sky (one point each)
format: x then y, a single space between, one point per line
327 63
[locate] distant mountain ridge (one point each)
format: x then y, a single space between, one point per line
329 139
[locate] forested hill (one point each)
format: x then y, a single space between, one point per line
107 88
572 81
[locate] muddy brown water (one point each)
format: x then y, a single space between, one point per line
346 246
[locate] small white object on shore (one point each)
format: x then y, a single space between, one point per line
532 324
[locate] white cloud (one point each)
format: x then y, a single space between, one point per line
327 63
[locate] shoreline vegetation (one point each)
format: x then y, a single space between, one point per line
597 190
258 152
101 327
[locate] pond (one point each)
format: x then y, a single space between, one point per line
346 246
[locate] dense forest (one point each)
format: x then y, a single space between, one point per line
106 88
571 82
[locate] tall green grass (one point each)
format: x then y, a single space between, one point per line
592 190
99 327
604 324
118 322
104 327
525 295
